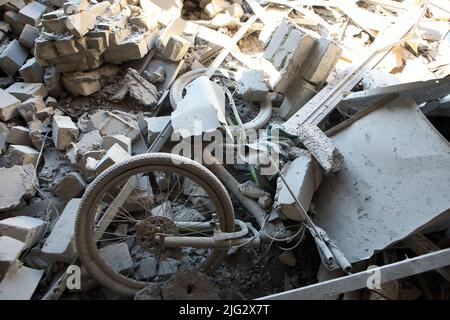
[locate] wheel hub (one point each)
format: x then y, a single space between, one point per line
150 235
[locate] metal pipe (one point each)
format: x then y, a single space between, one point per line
206 242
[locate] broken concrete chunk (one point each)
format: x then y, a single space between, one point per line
287 51
29 36
235 10
17 184
64 132
60 245
13 57
201 110
31 107
303 176
8 106
26 229
174 28
19 135
20 283
155 126
176 48
32 72
147 268
298 94
322 60
121 140
31 14
80 23
141 89
13 19
252 85
157 76
69 187
133 48
53 83
24 91
110 124
215 7
117 257
22 155
321 147
75 6
114 155
251 190
10 250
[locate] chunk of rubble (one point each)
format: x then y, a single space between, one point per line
20 283
17 186
117 257
22 155
32 72
31 107
12 57
69 187
24 91
8 106
28 36
113 156
31 13
120 139
109 124
303 176
252 85
296 97
155 126
19 135
287 51
29 230
176 48
321 147
10 250
201 110
140 89
251 190
60 245
87 83
64 132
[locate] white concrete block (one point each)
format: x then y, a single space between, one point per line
60 245
17 184
20 284
114 155
8 106
64 132
287 51
117 257
303 177
19 135
10 250
252 85
26 229
155 126
32 13
22 155
321 147
13 57
121 140
32 72
24 91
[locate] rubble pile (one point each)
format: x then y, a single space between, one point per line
85 85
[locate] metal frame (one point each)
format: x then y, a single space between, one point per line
360 280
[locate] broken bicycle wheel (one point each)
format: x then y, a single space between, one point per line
129 209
